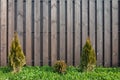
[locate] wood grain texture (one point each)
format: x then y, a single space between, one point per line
20 21
92 22
77 32
84 21
99 33
107 33
62 29
28 33
115 33
11 22
53 31
45 32
37 32
0 34
69 33
3 32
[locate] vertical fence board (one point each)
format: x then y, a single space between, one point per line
28 33
53 31
77 32
37 32
107 33
92 22
66 53
62 29
20 20
0 34
45 32
3 32
84 21
115 32
10 22
99 33
69 32
49 32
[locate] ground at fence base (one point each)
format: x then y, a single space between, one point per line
47 73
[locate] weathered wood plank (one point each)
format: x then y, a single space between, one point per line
0 34
84 21
3 32
53 32
115 33
37 33
49 33
99 33
11 22
45 32
62 29
69 32
28 33
77 32
92 22
20 21
107 33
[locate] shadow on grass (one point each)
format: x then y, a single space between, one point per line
5 69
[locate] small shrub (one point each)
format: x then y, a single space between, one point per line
16 55
60 66
88 57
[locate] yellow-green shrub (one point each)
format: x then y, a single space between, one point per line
88 57
16 55
60 66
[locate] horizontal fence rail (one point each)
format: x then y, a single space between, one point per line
51 30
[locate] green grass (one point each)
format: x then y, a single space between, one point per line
47 73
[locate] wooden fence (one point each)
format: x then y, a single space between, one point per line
50 30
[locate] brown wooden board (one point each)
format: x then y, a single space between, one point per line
45 32
84 21
69 33
115 33
53 32
92 22
3 32
20 21
0 33
77 32
62 29
28 33
37 33
107 33
99 33
11 22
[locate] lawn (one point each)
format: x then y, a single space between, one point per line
47 73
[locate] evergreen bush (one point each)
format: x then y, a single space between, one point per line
16 56
60 66
88 57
